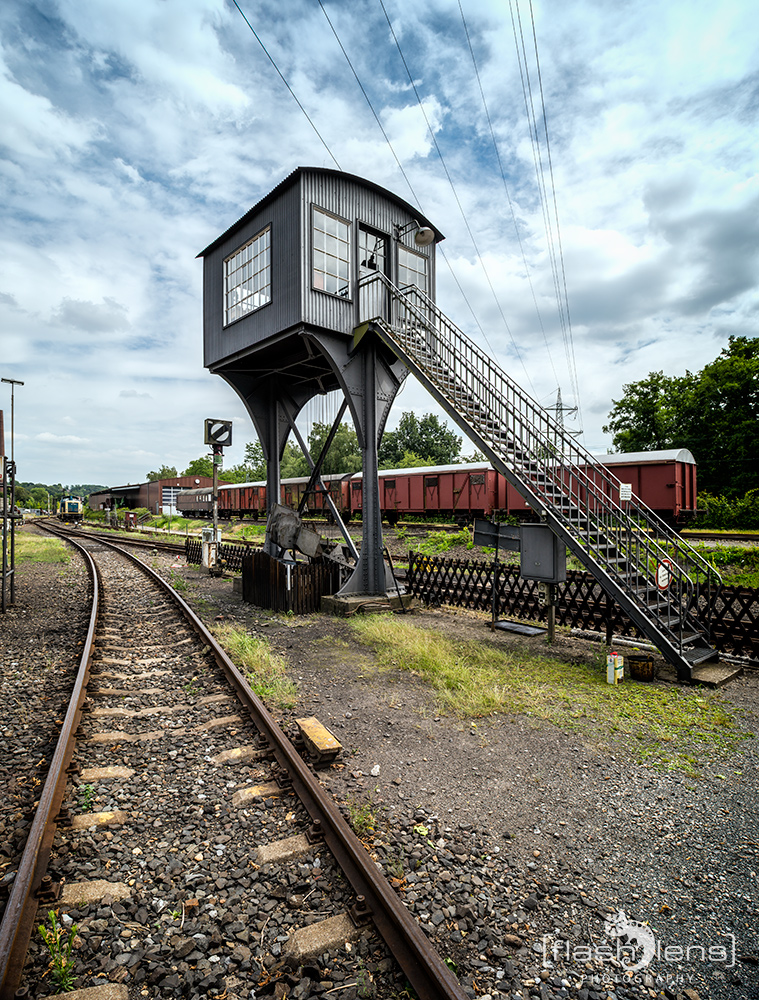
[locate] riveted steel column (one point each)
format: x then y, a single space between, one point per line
369 575
273 457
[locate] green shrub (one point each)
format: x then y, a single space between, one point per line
726 513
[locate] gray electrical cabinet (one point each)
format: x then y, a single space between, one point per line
543 554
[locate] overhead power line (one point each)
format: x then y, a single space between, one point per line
506 189
457 199
292 92
414 195
555 251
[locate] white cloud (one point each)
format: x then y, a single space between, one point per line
92 317
47 436
133 139
34 127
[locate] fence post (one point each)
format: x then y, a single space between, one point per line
610 608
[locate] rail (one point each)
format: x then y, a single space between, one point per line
19 917
422 965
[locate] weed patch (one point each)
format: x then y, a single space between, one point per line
36 549
362 818
668 727
60 945
264 669
438 542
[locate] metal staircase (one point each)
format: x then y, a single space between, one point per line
660 581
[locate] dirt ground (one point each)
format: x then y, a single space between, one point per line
450 767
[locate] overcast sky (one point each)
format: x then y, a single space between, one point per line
136 131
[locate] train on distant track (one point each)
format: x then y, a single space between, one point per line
71 509
664 480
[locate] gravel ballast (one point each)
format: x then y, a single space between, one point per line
515 844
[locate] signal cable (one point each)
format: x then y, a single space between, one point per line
292 92
456 197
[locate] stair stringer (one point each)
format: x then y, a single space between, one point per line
647 624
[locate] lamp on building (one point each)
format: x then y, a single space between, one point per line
422 237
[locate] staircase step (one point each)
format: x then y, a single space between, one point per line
701 654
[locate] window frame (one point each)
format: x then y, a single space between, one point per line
422 256
348 297
227 322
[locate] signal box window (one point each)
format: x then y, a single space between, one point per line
331 254
412 269
247 277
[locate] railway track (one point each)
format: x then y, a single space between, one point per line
183 836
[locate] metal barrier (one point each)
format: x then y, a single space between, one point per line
581 602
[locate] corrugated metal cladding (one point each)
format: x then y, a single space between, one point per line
283 311
294 301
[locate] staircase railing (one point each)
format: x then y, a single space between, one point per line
626 540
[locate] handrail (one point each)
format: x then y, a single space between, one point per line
627 543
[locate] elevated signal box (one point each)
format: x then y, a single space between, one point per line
283 294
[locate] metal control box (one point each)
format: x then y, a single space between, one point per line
543 554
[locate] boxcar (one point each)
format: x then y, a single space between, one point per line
664 480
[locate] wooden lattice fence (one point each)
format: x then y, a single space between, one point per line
279 586
580 601
232 554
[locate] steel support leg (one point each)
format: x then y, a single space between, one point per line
371 576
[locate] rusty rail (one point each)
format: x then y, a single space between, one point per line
422 965
20 913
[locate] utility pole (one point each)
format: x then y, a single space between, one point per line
12 382
9 471
559 409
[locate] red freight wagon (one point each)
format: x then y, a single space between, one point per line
664 480
458 491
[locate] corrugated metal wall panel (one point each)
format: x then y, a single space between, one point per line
283 310
294 300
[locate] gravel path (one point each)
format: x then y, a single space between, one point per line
515 844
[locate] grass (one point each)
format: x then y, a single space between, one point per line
178 582
38 549
264 669
438 542
362 817
666 726
738 565
60 945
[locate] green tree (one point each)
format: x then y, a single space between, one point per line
646 418
165 472
344 454
714 413
720 419
426 438
251 469
293 464
202 466
39 497
254 462
410 460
